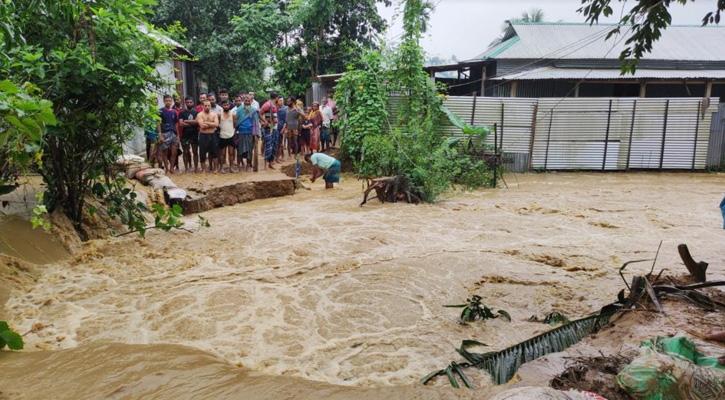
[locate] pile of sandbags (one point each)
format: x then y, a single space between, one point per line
157 180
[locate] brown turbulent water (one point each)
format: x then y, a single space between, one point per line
311 291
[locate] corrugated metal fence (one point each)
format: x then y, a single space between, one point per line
598 133
716 150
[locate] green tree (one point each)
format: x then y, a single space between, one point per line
644 23
23 112
224 61
318 37
410 143
93 60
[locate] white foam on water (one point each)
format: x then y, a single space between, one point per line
314 286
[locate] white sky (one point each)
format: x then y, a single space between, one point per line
466 27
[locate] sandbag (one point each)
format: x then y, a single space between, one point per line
132 169
673 369
176 193
545 393
161 182
145 175
127 159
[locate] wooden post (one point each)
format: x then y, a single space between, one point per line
473 110
533 133
708 90
255 156
664 134
514 87
576 89
495 154
631 133
548 140
643 89
606 135
503 105
697 128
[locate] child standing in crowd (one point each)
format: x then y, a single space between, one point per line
305 132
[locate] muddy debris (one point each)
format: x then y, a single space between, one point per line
595 375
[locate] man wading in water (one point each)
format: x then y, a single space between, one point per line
325 166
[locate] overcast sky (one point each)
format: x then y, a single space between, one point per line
465 27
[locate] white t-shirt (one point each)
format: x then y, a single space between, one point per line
322 160
327 116
255 104
217 109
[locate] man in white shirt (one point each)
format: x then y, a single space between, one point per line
327 116
325 166
255 103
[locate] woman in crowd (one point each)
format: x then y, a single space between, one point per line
316 118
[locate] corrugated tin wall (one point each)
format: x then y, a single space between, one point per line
621 134
595 133
716 151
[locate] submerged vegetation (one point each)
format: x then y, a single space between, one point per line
474 310
9 338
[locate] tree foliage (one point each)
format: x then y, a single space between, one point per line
409 142
235 40
23 118
95 62
644 23
224 59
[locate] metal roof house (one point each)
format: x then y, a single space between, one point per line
576 60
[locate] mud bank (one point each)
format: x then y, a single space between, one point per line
237 193
314 287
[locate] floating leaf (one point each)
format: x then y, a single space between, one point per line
13 340
505 315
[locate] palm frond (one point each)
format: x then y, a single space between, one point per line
503 365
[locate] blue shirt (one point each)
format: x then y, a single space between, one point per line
244 125
281 117
169 118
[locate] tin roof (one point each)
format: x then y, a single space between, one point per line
584 41
545 73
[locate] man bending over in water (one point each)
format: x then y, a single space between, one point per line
325 166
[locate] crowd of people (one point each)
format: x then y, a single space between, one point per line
222 135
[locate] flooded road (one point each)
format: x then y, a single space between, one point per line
313 288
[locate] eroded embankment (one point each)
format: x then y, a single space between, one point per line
236 193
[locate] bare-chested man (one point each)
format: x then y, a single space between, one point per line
208 123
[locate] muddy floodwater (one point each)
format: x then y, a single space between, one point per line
311 296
